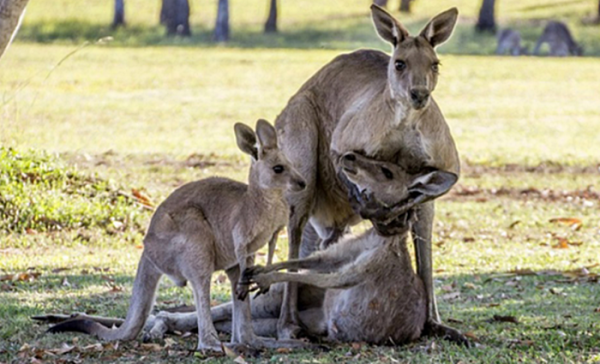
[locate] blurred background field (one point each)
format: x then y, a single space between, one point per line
94 135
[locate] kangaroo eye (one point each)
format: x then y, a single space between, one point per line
435 67
387 173
400 65
278 169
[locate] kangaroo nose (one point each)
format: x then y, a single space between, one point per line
350 157
302 184
419 96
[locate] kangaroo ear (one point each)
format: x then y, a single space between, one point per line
440 28
267 136
433 184
246 139
388 28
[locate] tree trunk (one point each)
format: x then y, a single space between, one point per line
271 24
486 22
382 3
405 6
222 24
175 15
11 15
598 18
119 18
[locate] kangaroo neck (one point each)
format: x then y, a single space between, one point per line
400 108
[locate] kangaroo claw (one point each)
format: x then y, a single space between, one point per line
446 332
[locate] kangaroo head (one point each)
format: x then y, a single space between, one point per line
270 168
389 185
413 68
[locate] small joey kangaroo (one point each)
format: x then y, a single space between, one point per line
373 293
208 225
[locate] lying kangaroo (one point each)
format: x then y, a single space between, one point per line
509 40
559 38
364 288
374 104
373 294
208 225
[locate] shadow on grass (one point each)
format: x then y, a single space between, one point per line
552 315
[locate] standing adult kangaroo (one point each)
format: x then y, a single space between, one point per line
380 106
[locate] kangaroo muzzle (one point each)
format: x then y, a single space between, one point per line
419 97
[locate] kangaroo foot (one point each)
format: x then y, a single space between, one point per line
446 332
209 346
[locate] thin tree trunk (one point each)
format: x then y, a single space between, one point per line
11 15
598 18
175 15
486 21
271 23
222 23
382 3
119 18
405 6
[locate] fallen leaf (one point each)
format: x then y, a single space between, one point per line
562 244
144 200
61 269
151 347
597 310
66 348
514 223
356 346
500 318
455 321
573 222
115 288
471 336
21 277
470 285
228 352
92 347
283 350
451 296
169 343
30 231
523 272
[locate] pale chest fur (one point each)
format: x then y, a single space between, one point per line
261 227
382 132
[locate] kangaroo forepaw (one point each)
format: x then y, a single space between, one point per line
446 332
250 272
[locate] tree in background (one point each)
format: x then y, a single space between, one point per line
271 23
382 3
175 15
119 18
222 24
11 15
486 21
405 6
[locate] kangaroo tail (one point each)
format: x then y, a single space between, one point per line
142 300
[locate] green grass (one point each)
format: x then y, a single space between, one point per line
303 23
150 113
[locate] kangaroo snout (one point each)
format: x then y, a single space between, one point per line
348 162
296 183
419 97
301 184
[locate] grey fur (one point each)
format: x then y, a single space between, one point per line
208 225
360 102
